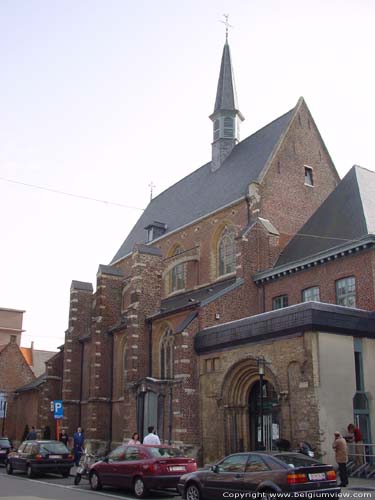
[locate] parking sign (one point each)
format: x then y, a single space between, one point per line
58 409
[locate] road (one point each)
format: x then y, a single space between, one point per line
53 487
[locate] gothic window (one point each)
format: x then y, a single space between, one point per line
167 355
228 127
311 294
345 292
227 252
177 275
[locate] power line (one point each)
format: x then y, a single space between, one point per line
65 193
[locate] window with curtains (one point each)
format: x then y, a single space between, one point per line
345 292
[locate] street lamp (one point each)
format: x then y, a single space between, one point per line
261 362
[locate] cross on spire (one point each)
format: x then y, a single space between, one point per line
151 186
227 25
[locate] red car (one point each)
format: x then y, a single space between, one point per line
141 468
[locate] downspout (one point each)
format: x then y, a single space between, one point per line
80 386
149 364
111 389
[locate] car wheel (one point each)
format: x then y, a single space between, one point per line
29 472
77 479
9 468
95 482
193 492
139 487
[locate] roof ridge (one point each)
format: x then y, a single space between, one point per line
251 136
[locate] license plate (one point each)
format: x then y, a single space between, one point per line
317 476
176 468
2 452
55 456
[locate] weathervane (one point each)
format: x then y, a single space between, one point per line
151 186
227 25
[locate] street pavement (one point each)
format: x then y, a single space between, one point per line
53 487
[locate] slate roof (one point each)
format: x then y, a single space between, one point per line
292 320
195 297
33 384
347 214
226 96
203 191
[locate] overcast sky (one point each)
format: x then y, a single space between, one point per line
99 98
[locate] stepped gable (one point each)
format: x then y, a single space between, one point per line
204 191
347 214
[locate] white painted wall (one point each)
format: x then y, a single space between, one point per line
368 356
335 386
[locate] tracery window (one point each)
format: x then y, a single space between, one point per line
167 355
227 251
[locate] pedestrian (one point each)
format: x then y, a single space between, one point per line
152 437
64 438
341 452
78 442
32 434
25 433
134 439
356 435
47 433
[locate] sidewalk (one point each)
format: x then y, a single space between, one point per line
361 484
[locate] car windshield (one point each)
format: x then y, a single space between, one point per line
165 452
53 447
296 460
4 442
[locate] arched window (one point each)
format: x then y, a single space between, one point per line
177 274
227 252
167 355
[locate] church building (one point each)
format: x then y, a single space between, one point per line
240 308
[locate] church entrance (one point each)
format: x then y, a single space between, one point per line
251 416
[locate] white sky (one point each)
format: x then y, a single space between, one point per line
99 98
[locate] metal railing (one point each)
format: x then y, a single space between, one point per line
361 460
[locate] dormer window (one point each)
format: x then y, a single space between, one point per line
228 127
155 230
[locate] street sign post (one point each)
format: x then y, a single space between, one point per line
58 415
58 410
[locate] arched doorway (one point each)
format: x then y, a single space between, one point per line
247 422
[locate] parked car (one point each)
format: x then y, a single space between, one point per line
292 474
5 448
37 457
141 468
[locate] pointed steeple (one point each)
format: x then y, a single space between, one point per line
226 116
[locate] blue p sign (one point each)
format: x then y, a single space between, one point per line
58 411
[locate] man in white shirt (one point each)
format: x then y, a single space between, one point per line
152 437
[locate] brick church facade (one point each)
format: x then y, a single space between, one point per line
261 260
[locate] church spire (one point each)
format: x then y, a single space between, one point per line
226 116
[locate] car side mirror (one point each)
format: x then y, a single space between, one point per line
105 459
215 468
